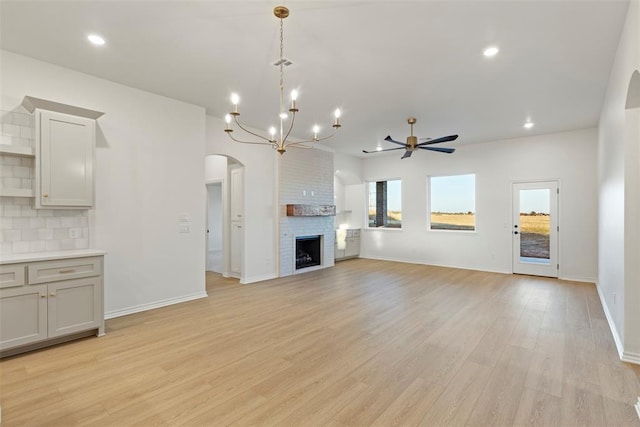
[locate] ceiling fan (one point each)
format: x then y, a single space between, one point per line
412 143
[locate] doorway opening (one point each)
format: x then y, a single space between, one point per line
225 215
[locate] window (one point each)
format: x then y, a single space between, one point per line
453 202
385 203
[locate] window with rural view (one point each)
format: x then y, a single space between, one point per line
453 202
385 204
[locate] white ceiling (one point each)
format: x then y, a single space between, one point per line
379 61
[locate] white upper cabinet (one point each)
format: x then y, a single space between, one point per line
65 152
66 147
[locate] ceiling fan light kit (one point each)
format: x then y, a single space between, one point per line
278 139
412 143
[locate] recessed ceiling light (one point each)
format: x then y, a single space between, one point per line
95 39
491 51
528 125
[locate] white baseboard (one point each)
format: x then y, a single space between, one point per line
434 264
254 279
612 325
150 306
579 279
228 275
630 357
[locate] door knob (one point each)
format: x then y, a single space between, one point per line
515 232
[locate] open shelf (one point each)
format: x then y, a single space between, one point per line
17 192
13 150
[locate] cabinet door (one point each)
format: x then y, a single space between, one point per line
74 306
353 247
23 315
66 151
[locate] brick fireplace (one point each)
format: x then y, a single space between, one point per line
305 177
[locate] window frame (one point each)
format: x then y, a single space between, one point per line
366 209
475 205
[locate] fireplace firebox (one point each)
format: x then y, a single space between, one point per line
308 251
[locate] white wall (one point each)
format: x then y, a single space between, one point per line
260 200
215 168
569 157
349 187
149 171
619 280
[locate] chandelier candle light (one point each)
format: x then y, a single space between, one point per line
278 140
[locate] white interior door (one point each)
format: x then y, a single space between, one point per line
214 227
535 228
237 220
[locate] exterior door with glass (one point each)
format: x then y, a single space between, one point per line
535 228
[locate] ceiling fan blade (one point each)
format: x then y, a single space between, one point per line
388 149
439 140
406 154
388 138
439 149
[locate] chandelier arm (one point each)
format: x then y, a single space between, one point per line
250 142
296 145
324 138
293 120
299 143
252 133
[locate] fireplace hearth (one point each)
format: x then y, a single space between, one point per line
308 251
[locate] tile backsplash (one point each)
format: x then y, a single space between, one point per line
24 229
17 128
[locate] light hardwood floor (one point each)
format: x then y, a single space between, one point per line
364 343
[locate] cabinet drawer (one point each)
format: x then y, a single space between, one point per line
52 271
12 275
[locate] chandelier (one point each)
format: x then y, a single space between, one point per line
278 139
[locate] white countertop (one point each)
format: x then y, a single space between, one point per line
47 256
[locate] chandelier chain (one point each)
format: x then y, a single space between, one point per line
281 54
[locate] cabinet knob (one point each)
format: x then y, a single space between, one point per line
52 294
43 295
45 194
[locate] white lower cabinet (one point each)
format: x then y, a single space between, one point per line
23 315
33 312
74 306
350 248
